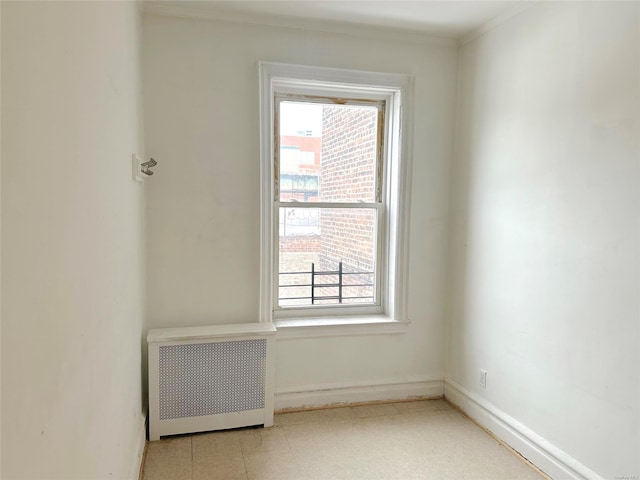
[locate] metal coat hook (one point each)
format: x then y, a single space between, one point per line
145 167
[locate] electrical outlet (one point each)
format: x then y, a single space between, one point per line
483 378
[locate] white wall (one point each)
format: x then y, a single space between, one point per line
202 125
545 221
72 241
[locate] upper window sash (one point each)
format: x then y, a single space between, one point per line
379 103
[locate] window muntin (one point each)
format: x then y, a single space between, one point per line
328 161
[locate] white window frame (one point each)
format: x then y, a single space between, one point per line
390 313
321 95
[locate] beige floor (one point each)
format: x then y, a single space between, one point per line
410 440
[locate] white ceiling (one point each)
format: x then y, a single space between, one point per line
450 18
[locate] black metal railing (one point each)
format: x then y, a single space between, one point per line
316 286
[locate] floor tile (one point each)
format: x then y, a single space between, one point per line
265 440
316 437
271 466
168 459
209 469
417 406
314 416
218 445
363 411
406 440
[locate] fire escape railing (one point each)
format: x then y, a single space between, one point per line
316 286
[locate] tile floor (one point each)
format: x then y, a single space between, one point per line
410 440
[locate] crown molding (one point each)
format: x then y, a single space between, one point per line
519 7
173 9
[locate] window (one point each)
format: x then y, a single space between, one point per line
334 196
327 199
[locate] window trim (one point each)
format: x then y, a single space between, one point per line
397 90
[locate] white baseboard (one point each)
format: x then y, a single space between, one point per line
336 395
140 445
544 455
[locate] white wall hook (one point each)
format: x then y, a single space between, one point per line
146 167
141 170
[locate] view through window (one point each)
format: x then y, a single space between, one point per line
328 201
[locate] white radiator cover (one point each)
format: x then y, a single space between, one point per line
210 378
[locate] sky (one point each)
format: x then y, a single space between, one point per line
295 117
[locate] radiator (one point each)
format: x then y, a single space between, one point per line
210 378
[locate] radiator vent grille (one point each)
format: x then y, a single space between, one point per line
211 378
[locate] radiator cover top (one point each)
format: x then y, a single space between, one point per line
211 378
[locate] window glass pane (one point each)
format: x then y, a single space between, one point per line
328 152
337 245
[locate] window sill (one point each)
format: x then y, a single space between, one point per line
339 326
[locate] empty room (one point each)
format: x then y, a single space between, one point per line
320 239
